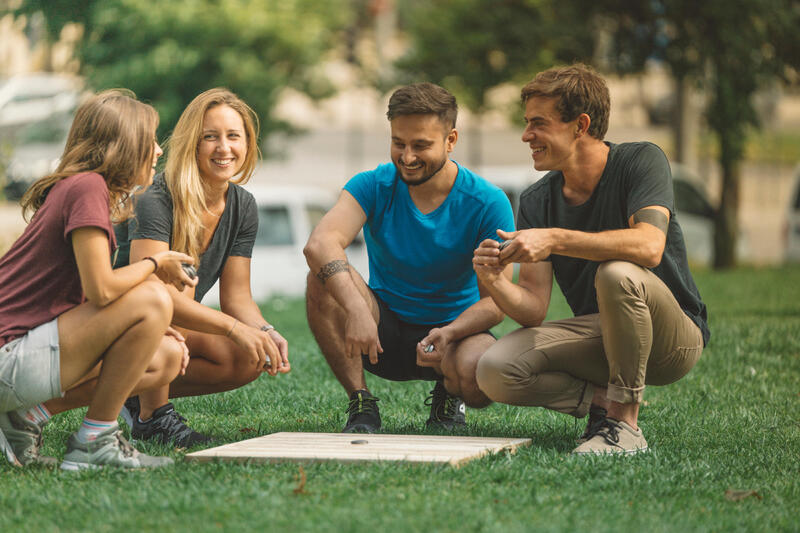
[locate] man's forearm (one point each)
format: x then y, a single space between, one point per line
477 318
642 246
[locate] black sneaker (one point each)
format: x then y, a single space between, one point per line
168 427
130 411
596 416
447 411
364 415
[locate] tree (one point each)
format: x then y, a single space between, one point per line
167 54
732 47
472 46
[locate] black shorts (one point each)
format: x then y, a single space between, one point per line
399 339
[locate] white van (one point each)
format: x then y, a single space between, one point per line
286 216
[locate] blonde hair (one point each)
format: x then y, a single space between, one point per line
182 174
112 134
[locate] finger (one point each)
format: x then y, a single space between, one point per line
373 353
380 348
488 244
506 235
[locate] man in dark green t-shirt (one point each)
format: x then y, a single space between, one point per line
603 222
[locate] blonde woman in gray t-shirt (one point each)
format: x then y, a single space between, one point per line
198 207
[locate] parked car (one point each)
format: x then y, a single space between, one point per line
34 150
791 226
35 97
694 210
286 216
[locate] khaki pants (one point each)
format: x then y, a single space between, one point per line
640 337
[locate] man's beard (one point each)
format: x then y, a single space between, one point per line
423 179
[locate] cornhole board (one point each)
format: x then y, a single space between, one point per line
352 447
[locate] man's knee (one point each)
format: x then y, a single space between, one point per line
318 300
492 376
616 277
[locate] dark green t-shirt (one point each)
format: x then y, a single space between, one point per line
235 233
636 175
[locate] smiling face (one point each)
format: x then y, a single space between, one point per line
552 141
420 145
222 148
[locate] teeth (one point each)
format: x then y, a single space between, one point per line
221 161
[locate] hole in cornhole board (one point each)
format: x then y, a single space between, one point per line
349 447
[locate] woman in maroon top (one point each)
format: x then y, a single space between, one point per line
68 322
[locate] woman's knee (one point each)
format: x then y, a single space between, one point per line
152 300
166 362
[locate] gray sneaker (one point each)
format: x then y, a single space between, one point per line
7 450
109 449
614 437
24 438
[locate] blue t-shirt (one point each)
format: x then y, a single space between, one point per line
421 265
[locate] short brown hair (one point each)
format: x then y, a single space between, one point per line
579 89
424 99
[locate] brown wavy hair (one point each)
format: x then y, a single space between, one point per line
578 89
182 174
112 134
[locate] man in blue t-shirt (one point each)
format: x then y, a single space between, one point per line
603 223
423 314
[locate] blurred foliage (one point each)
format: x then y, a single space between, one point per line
472 46
731 47
170 53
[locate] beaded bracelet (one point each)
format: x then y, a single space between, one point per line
155 263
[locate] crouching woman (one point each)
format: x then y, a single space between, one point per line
68 322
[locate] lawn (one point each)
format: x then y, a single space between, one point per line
733 424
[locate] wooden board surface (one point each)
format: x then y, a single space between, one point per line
349 447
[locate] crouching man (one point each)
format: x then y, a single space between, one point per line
603 222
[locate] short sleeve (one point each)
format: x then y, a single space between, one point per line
649 180
86 205
363 186
248 227
498 215
153 215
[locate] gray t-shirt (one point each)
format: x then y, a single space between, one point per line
235 234
636 175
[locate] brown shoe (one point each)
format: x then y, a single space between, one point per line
613 436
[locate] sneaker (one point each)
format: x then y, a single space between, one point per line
364 416
167 426
130 411
7 450
24 439
613 436
109 449
596 416
447 411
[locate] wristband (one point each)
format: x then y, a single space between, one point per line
235 321
155 263
267 327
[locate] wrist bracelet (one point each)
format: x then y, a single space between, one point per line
155 263
267 327
235 321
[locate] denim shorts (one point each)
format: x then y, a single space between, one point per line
30 370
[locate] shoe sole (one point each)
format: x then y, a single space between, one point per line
621 452
73 466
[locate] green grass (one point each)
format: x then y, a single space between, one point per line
732 423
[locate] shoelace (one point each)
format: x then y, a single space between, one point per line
174 421
596 416
362 404
448 403
125 447
608 430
